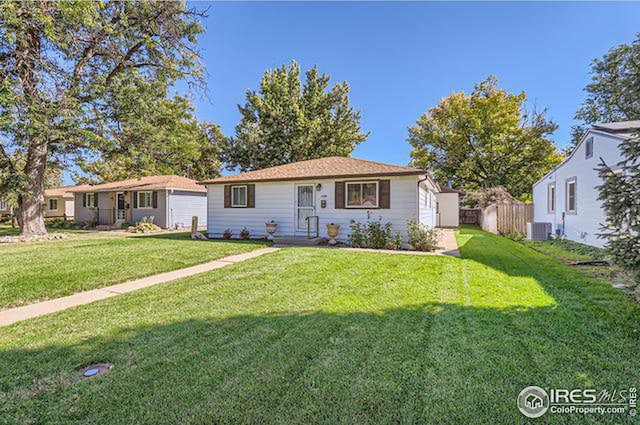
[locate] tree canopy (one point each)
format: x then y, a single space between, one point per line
614 91
483 140
287 121
68 70
158 138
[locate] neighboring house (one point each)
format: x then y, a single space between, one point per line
171 200
58 202
568 195
329 190
5 208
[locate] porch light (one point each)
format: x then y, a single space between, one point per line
318 187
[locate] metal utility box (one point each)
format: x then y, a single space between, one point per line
538 231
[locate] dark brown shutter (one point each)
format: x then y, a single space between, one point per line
339 195
384 194
154 199
84 199
135 199
95 200
251 196
227 196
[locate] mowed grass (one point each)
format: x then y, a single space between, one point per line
329 336
31 272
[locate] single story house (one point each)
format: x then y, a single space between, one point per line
171 200
5 208
306 195
567 197
58 202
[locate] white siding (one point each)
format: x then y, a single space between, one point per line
427 206
449 209
584 225
276 201
183 205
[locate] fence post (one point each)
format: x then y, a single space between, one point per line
194 225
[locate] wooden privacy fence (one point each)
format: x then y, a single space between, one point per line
469 215
506 218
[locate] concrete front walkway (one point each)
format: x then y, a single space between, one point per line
13 315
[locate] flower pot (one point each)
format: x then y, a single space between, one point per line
332 232
272 226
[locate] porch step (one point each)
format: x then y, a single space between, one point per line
297 241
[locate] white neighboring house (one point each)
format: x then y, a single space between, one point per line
329 190
570 189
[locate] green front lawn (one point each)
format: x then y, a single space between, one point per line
31 272
329 336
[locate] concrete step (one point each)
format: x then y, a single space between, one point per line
298 241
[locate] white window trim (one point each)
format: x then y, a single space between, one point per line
346 194
149 207
569 181
551 200
91 204
246 196
49 204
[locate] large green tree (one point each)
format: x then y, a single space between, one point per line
483 140
614 91
158 138
620 196
288 121
65 68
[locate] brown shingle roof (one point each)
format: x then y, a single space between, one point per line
64 191
147 183
334 166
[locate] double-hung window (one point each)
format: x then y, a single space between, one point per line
238 196
91 200
551 198
53 204
572 197
362 195
145 200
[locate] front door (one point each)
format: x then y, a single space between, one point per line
120 208
305 206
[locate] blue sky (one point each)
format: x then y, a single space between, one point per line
401 58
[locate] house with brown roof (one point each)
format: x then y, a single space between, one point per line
59 202
303 197
170 200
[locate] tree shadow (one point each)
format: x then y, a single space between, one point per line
428 363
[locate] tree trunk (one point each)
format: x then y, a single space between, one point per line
31 212
28 54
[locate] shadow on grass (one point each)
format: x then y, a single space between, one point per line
431 363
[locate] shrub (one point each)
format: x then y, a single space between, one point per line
227 233
60 223
373 234
146 227
244 234
421 237
126 225
394 240
515 236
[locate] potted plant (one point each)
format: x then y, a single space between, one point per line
333 230
272 226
